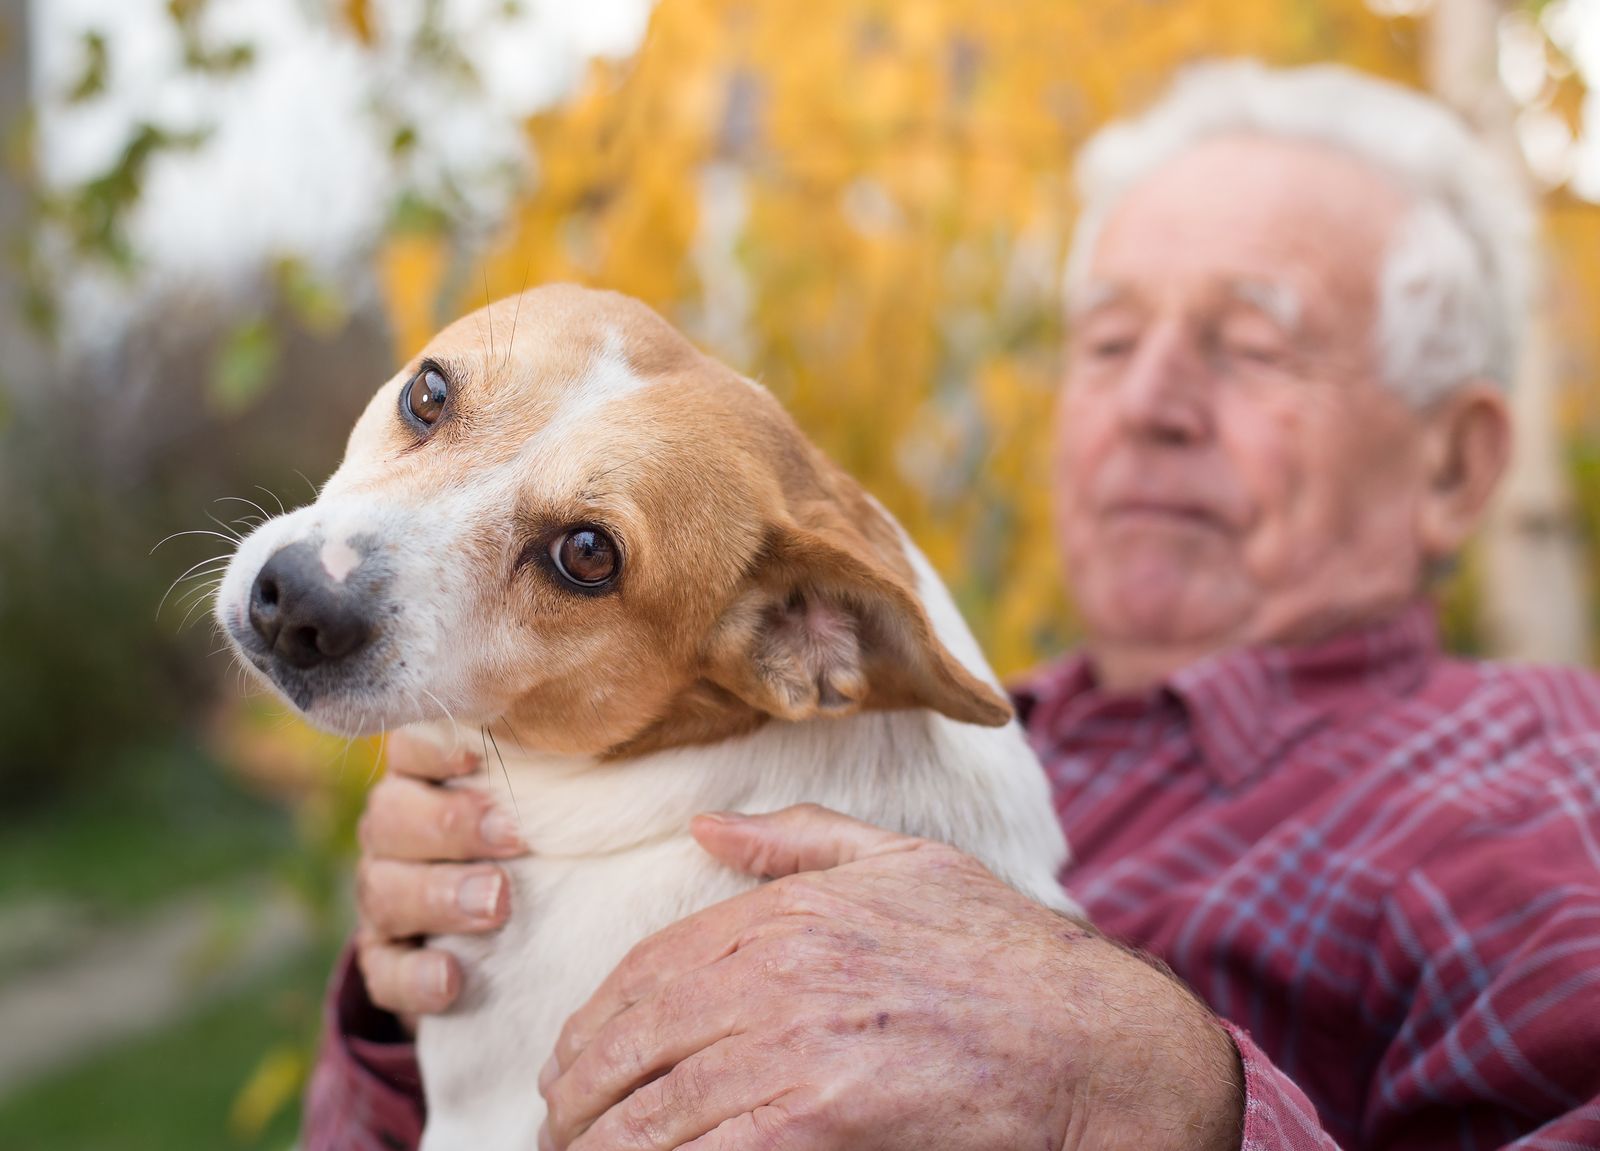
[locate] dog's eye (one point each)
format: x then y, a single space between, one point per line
586 556
425 396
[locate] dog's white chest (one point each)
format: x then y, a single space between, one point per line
575 919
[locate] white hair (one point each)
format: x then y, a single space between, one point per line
1454 288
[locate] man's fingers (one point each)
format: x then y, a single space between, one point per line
408 980
408 755
771 1128
651 1037
408 820
400 900
697 1096
697 941
801 838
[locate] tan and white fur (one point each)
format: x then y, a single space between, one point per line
771 637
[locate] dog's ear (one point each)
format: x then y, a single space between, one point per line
825 627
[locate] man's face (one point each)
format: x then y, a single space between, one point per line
1229 466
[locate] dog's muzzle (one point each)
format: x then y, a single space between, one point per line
303 615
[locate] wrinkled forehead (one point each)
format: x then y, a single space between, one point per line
1249 210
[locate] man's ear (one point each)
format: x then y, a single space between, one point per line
1467 448
825 628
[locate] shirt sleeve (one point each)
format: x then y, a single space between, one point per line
365 1092
1277 1114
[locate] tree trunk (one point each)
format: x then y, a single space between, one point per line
21 358
1534 597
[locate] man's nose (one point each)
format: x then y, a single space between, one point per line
302 614
1166 393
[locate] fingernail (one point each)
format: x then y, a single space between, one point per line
546 1143
722 816
432 978
500 830
464 761
480 895
548 1074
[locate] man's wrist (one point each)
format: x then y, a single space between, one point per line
1173 1078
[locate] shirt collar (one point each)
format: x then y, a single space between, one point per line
1245 705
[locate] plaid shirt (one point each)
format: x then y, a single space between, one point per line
1381 868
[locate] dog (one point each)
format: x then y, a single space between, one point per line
564 524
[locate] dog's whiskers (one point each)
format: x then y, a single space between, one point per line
198 589
193 572
224 527
514 735
455 731
377 761
232 540
511 791
315 493
625 463
344 752
484 269
282 511
517 315
209 594
265 515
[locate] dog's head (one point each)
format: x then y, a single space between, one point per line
563 515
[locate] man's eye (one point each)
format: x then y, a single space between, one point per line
1256 355
1111 349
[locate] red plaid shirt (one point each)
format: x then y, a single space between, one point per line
1381 867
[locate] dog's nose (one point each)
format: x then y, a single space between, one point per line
302 613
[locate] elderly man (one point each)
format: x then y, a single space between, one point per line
1372 872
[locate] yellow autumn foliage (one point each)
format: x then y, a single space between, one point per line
865 205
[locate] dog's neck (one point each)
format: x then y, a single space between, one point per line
585 806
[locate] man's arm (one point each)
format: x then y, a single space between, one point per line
898 993
365 1093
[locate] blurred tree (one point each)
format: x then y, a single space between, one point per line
22 359
1531 541
867 204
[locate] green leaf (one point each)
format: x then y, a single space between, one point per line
314 302
91 82
243 367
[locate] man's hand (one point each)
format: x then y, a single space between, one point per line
888 993
413 879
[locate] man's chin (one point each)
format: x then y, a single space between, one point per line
1163 606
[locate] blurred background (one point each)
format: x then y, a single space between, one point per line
223 223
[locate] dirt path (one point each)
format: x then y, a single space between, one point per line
120 981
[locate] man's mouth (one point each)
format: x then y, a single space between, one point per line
1164 513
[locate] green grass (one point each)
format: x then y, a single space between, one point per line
158 823
172 1091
